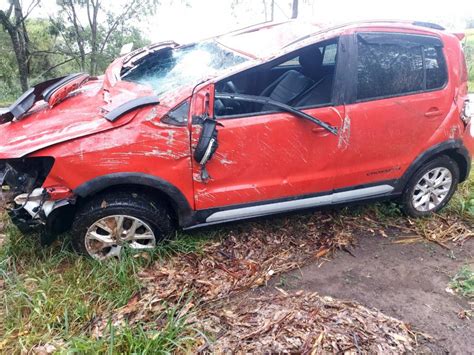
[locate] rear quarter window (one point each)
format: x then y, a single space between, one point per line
393 65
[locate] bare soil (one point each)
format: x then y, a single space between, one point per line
406 281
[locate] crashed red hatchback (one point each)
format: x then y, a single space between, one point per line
268 119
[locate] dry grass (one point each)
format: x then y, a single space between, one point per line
301 323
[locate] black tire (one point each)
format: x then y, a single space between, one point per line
153 212
407 197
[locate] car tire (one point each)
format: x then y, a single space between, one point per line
431 187
108 223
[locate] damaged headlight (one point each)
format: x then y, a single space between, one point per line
19 176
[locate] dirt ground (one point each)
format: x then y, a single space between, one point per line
406 281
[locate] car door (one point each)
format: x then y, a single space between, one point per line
266 157
399 99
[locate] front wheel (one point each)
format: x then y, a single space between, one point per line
109 223
431 188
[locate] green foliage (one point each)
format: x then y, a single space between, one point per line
54 52
462 202
469 53
463 282
51 295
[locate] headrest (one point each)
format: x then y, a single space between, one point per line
311 60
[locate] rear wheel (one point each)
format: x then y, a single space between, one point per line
110 223
431 188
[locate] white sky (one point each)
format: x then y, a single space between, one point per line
203 18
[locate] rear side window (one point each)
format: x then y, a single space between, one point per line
435 68
396 64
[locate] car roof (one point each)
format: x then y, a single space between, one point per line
268 39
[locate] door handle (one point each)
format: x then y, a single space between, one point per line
433 112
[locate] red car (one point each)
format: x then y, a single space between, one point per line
269 119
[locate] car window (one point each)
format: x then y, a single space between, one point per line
178 116
172 68
301 80
436 73
397 66
387 70
290 63
330 54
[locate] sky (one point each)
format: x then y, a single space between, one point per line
204 18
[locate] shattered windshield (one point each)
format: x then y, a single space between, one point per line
171 68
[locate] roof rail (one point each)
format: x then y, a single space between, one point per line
434 26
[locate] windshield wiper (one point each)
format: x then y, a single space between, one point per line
267 101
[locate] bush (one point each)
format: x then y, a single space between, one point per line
8 93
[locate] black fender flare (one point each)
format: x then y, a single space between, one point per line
453 148
176 197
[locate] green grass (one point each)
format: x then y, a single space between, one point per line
463 282
469 52
51 295
462 202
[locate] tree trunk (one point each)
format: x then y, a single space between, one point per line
265 10
92 15
17 31
78 30
294 13
272 10
22 59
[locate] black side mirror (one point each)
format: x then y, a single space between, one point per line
207 144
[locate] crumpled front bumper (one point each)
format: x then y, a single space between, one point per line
48 212
25 223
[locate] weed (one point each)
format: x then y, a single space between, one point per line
462 202
52 295
463 282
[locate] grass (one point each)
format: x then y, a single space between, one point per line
463 282
51 296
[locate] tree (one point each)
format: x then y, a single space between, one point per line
87 43
14 22
294 9
269 12
470 23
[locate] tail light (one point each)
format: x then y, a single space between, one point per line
467 112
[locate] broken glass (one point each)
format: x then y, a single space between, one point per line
172 68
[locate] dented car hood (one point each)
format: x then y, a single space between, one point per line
81 114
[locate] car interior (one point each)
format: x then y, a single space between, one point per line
300 79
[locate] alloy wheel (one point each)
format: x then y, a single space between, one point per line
432 189
107 237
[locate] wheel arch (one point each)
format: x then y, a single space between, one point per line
153 184
453 148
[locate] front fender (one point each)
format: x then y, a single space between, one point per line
178 200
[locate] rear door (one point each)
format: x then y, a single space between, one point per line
398 98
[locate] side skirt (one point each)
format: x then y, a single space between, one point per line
336 198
